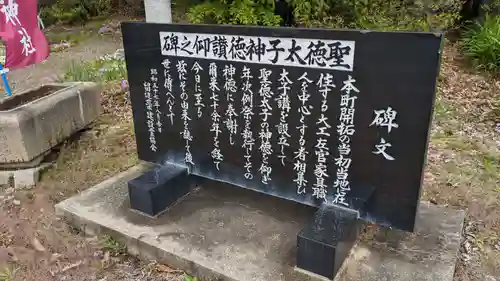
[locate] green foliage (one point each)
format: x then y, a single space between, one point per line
362 14
481 44
8 274
492 8
106 69
74 11
113 246
378 14
189 278
239 12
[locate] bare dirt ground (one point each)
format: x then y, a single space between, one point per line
463 172
34 243
49 70
463 169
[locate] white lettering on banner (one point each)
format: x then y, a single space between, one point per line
10 10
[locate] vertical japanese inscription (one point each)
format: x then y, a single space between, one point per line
186 133
198 92
265 134
384 118
168 89
10 10
345 131
156 99
300 165
149 111
247 112
215 128
257 128
325 84
283 101
230 89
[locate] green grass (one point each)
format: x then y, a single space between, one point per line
113 246
103 70
8 274
68 36
189 278
481 44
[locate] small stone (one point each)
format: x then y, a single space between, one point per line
55 257
92 239
30 195
103 29
16 202
99 255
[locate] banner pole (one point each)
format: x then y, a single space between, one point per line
4 71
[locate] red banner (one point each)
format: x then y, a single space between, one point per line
24 41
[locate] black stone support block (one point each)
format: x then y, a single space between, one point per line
156 190
324 243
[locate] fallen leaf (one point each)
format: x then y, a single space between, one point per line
37 245
55 257
166 269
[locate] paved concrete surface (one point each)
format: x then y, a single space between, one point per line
220 232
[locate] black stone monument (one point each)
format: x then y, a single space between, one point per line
335 119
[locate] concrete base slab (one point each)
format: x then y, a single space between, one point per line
23 178
221 232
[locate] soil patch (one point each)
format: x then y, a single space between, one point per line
27 97
463 169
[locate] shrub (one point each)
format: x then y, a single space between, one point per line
481 44
73 11
106 69
364 14
246 12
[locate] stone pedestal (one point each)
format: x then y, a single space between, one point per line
220 232
325 242
155 191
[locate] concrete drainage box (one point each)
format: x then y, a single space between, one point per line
34 121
